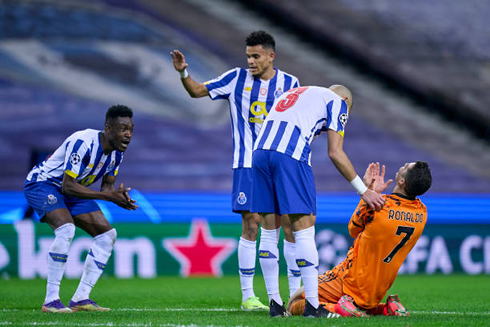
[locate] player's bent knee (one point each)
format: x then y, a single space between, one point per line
107 239
67 231
297 307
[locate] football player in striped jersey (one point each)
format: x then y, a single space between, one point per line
57 189
250 93
283 180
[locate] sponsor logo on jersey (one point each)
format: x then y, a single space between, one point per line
259 110
52 199
242 199
263 91
100 165
75 159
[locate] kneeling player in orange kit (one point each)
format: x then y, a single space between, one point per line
383 239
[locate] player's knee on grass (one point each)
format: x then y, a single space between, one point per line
297 307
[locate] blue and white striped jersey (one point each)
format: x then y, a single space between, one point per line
81 157
250 101
298 117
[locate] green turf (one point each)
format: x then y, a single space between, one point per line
455 300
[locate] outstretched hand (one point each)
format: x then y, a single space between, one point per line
374 178
374 200
178 60
122 198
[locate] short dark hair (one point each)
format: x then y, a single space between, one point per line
261 38
418 179
118 111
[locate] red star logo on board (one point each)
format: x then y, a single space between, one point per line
200 254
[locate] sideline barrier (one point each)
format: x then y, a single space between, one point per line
197 235
182 207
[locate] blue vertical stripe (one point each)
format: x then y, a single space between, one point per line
293 141
240 120
99 154
287 82
343 110
254 96
329 113
76 146
270 94
279 134
267 131
119 157
104 167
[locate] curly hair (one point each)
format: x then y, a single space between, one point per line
118 111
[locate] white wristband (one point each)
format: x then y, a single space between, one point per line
359 185
184 73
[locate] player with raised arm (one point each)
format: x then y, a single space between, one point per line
383 239
57 189
250 93
283 181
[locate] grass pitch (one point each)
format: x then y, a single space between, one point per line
456 300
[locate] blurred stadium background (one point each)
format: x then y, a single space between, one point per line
420 75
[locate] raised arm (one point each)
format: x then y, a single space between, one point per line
120 197
195 89
343 164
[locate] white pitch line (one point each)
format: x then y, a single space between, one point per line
179 309
461 313
150 310
108 324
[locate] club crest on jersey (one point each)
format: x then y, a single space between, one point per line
52 199
75 159
278 93
343 118
263 91
111 166
100 165
242 199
